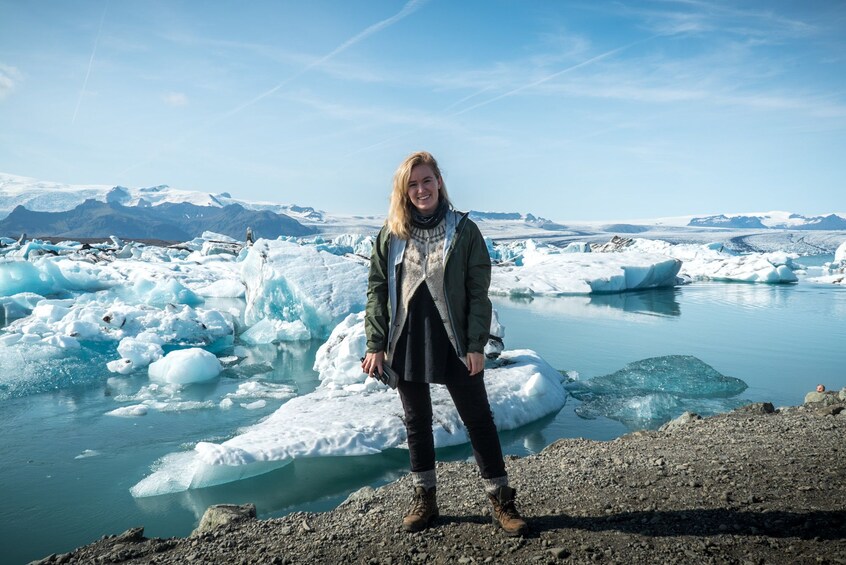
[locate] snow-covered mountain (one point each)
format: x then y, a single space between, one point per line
166 221
771 220
46 196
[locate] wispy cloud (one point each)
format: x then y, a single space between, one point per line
175 99
10 77
692 16
90 62
549 77
406 11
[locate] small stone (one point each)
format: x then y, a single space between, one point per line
757 408
824 398
222 515
560 552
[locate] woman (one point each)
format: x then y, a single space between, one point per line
428 317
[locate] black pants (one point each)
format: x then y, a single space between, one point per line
471 401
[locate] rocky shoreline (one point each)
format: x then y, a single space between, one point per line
756 485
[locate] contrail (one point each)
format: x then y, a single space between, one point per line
90 62
510 92
552 76
409 8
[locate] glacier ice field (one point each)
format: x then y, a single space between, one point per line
161 380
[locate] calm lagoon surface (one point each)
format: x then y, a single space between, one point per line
67 468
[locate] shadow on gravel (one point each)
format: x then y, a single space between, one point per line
824 525
445 519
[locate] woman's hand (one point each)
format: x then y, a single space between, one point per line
372 364
475 363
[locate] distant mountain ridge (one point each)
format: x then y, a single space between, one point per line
45 196
169 221
771 221
528 219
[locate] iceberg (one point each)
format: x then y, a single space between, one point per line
716 262
840 253
287 282
185 366
31 366
367 417
649 392
555 274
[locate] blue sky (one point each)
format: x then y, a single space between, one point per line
568 110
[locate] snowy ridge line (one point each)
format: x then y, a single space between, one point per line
48 196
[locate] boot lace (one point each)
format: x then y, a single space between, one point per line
509 510
418 504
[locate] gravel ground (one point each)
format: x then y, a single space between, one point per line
745 487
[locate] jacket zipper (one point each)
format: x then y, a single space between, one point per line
449 310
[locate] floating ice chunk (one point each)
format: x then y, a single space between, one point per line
129 411
647 393
17 276
258 404
840 253
137 352
222 289
349 243
521 388
261 389
273 331
547 273
226 403
496 340
713 262
121 366
69 274
62 342
220 248
185 366
338 360
18 305
289 282
161 292
50 311
7 340
576 247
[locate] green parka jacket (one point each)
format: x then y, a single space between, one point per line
467 276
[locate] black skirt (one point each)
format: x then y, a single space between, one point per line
424 353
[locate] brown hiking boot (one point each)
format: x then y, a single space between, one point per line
505 513
423 511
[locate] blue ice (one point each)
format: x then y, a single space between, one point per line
647 393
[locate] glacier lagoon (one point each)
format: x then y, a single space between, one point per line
71 484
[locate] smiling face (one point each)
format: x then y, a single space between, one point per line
424 189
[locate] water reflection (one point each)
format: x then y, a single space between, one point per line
662 302
301 482
659 301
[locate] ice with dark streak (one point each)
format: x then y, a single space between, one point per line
647 393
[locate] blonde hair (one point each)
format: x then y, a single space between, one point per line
399 210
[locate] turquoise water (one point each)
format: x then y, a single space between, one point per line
781 340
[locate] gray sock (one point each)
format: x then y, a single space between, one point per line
491 485
426 479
